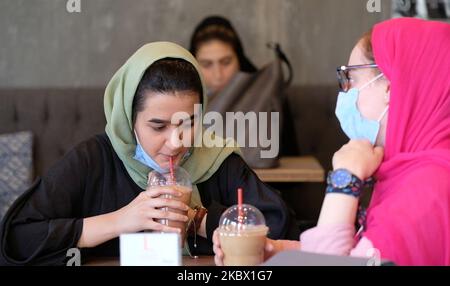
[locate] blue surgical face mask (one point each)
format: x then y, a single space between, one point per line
353 123
141 156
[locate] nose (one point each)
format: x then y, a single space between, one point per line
174 141
217 73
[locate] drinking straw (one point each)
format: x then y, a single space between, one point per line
172 173
240 202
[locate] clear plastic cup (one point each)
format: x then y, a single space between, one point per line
242 235
181 182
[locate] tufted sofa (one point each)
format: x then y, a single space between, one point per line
58 118
61 118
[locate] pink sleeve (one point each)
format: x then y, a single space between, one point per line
334 240
362 248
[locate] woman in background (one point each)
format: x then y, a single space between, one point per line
219 51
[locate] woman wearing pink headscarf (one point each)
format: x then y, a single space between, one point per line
408 220
395 99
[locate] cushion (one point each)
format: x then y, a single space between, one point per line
15 167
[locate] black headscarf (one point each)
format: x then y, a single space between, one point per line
217 27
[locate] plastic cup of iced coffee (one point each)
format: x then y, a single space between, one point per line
242 234
177 178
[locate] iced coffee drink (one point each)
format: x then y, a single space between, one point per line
179 181
242 236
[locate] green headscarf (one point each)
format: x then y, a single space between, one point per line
118 100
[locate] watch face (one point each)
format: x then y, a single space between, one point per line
341 178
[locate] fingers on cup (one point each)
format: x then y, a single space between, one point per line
218 261
163 228
155 192
162 214
170 203
269 246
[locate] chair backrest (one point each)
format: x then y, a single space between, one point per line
58 119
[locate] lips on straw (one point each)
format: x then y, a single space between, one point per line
240 203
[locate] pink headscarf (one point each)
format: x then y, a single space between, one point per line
409 214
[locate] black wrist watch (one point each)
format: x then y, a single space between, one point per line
342 181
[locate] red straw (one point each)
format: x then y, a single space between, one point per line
172 174
240 202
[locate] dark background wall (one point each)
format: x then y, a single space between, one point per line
42 45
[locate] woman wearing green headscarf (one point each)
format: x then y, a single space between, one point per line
98 190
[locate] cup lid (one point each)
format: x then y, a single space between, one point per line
179 177
235 217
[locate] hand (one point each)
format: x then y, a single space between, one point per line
359 157
142 212
269 249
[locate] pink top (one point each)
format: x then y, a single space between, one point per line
335 240
408 219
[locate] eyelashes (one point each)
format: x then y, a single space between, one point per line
183 125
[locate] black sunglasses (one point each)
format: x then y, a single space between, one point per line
342 74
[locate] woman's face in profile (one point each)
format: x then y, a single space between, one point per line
218 63
161 137
374 98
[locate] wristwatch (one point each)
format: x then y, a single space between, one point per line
342 181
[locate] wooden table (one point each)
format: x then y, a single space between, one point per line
186 260
293 169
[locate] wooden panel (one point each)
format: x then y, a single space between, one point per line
294 169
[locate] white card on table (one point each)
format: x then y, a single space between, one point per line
150 249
